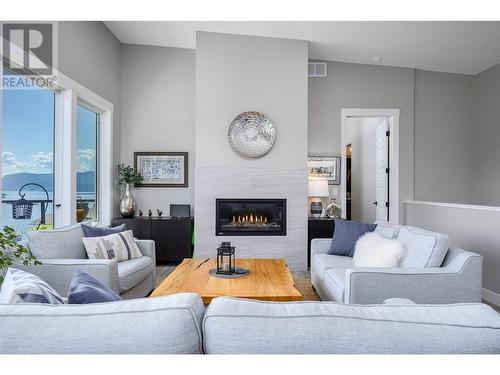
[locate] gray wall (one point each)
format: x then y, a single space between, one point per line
443 134
362 86
157 96
236 74
486 136
90 55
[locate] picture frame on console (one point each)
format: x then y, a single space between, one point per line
324 167
162 169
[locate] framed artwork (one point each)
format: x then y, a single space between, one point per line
327 167
162 169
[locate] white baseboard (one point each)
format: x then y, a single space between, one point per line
491 297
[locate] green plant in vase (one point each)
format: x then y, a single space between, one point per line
128 175
12 252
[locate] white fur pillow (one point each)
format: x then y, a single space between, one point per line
373 250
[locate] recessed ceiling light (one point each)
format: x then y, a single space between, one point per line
377 59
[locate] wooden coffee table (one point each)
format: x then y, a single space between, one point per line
268 280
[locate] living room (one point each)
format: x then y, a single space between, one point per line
258 187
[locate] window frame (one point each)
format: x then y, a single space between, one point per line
71 95
68 94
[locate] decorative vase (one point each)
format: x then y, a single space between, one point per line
127 203
316 208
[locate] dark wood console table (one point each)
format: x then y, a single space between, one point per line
318 228
172 235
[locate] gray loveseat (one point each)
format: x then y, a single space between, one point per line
336 278
62 253
180 324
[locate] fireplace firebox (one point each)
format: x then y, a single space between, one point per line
250 217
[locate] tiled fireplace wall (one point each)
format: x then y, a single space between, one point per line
287 183
235 74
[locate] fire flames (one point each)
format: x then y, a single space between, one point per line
249 219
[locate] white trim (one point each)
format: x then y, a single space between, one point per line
65 167
454 205
393 115
491 297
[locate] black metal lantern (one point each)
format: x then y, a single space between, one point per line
226 262
21 209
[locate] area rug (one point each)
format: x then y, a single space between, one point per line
302 282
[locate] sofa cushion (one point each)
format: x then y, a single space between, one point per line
160 325
22 287
132 272
323 262
334 282
423 248
117 246
346 234
64 243
386 229
86 289
236 326
92 231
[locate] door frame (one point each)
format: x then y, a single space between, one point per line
393 115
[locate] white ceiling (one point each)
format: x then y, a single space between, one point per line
457 47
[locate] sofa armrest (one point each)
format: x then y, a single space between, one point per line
320 245
421 285
147 248
59 272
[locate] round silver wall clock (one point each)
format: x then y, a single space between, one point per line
252 134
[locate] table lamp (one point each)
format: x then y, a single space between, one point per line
317 189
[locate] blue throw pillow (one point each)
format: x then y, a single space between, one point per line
91 231
85 289
346 234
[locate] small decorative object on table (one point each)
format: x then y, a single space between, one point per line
140 213
128 175
150 213
159 212
333 210
225 259
226 263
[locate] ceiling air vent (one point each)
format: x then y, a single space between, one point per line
317 69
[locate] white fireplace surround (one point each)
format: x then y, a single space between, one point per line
279 183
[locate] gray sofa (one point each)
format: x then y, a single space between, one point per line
180 324
62 253
336 278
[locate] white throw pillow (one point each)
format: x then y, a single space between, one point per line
373 250
118 246
23 287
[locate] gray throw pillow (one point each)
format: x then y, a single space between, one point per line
91 231
86 289
346 234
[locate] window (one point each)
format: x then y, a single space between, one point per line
87 123
60 139
28 156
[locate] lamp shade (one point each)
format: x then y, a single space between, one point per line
318 188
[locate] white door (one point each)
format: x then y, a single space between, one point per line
381 171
